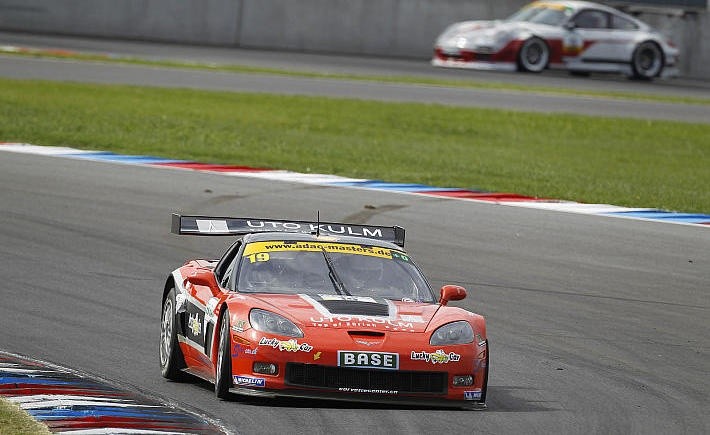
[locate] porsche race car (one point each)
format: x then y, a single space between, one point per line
579 36
324 310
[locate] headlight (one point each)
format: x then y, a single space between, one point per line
452 333
266 321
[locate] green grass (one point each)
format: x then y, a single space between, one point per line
15 421
587 159
471 84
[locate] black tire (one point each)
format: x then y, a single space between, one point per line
533 56
171 359
484 390
647 61
223 371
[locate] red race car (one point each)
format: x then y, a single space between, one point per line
325 310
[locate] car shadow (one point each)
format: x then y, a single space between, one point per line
500 399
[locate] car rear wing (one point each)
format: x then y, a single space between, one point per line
231 226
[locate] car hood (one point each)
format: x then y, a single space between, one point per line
351 312
488 33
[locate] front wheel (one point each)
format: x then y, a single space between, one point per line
171 359
223 376
647 61
533 56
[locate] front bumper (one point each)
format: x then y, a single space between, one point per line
479 59
317 371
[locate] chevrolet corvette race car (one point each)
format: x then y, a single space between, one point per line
325 310
579 36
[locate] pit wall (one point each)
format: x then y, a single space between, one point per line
394 28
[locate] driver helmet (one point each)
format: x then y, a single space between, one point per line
364 270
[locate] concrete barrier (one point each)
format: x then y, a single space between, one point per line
187 21
396 28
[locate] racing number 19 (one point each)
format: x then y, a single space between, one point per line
261 256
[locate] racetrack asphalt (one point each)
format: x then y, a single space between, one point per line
596 325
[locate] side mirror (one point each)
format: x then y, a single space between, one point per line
203 277
570 25
451 293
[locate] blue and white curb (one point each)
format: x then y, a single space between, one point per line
69 402
509 199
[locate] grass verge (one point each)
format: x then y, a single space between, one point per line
472 84
627 162
15 421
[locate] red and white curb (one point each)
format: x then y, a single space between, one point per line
509 199
73 403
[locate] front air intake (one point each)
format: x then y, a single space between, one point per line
356 308
334 378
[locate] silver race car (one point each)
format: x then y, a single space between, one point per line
579 36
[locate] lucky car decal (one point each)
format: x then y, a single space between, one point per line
438 357
285 345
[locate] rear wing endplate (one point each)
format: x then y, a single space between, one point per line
231 226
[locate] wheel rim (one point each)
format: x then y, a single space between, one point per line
166 332
534 56
648 61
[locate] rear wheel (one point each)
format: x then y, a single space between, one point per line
223 375
647 61
533 56
171 359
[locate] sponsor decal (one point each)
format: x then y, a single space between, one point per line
400 256
194 324
316 356
312 227
357 321
212 226
365 390
239 349
344 248
286 345
472 395
347 298
572 45
250 381
366 343
238 325
438 357
375 360
410 318
180 300
211 305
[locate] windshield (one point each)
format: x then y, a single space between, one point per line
553 15
317 268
